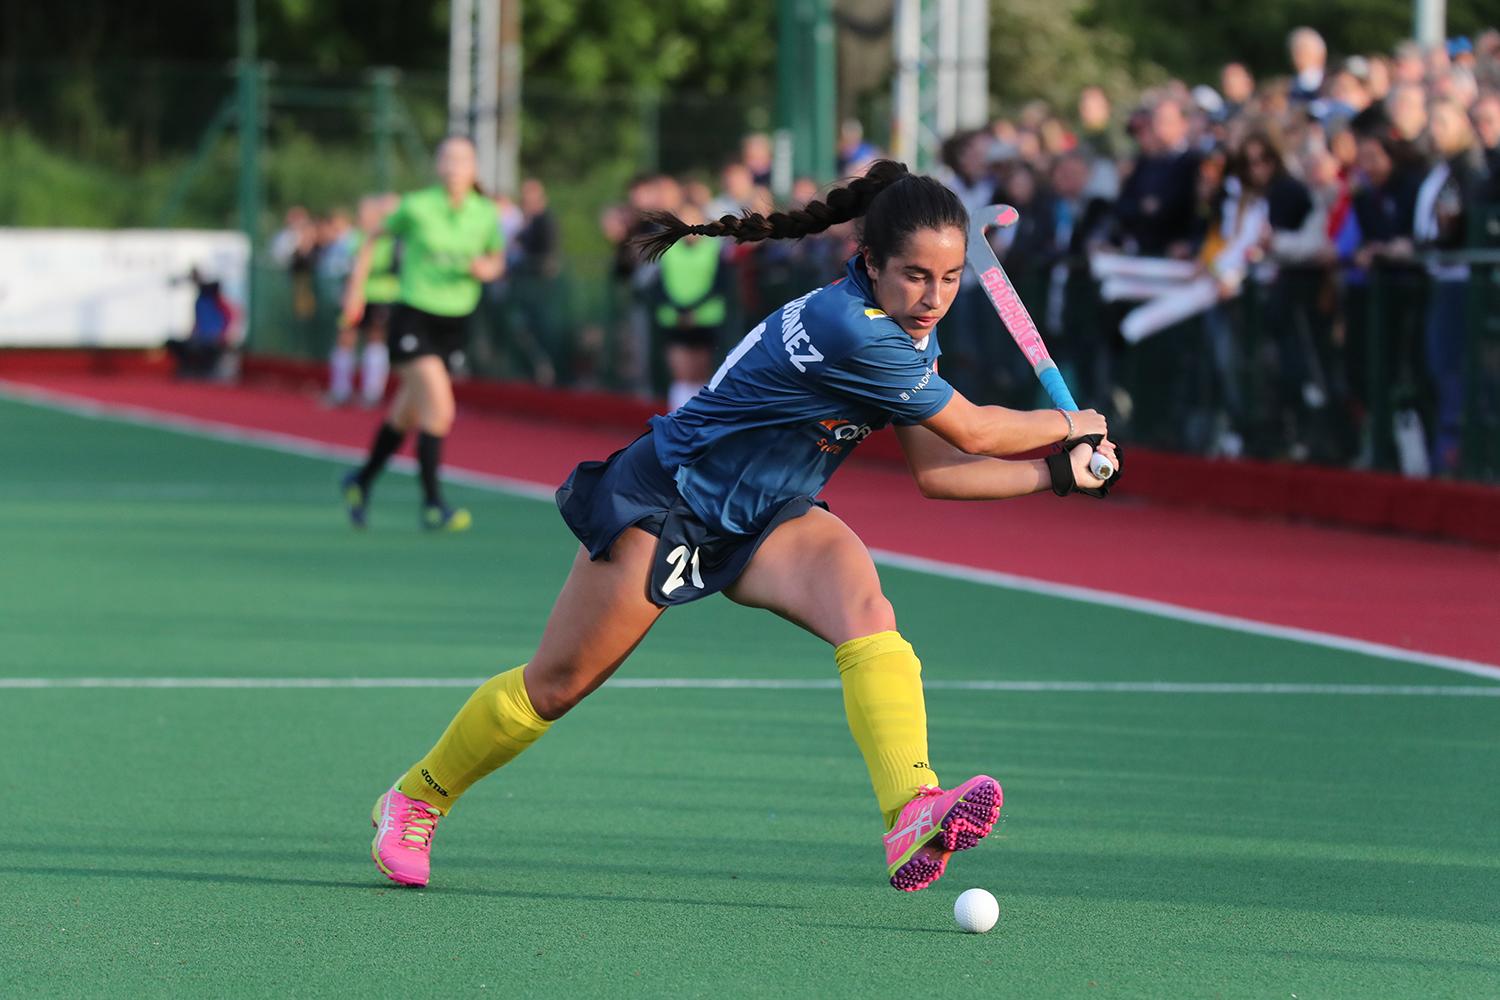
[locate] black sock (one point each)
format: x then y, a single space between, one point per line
429 457
387 441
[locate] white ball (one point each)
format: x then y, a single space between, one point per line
976 911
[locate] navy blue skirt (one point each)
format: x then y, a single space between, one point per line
600 500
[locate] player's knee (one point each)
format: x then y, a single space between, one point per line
555 693
870 612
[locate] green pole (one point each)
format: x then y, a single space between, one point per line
383 87
250 127
806 87
822 125
791 97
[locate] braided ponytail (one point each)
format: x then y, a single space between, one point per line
841 204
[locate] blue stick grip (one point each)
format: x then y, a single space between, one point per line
1052 381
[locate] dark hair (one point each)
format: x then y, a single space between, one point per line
893 202
1263 138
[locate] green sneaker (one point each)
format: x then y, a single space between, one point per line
439 518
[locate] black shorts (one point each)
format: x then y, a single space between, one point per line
413 333
690 336
601 499
377 318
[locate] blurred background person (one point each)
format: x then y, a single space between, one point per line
1155 208
1309 56
756 153
1237 87
736 190
854 151
692 308
213 333
531 277
382 288
1383 207
1486 116
1455 185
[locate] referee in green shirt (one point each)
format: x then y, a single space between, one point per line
450 246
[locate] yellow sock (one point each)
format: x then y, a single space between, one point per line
494 726
882 680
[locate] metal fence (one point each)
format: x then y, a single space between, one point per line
1320 369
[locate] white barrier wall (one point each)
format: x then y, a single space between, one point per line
110 288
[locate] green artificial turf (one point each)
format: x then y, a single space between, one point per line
714 843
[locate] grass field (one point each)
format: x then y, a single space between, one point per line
683 841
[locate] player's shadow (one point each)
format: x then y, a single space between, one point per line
367 885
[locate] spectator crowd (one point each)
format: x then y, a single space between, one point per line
1263 267
1203 262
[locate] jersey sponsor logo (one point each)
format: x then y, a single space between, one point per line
875 313
921 383
838 433
799 348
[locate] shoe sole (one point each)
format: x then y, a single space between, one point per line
375 850
969 821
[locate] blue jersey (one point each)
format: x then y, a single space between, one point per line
792 400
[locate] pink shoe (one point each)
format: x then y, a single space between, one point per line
403 837
934 825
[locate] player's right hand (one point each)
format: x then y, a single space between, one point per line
352 314
1086 422
1079 458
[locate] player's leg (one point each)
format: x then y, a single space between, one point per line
374 361
597 620
341 366
433 396
599 617
400 418
814 571
841 602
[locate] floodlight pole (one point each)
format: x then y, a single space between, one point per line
942 75
1428 22
484 86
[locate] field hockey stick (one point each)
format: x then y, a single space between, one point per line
1018 322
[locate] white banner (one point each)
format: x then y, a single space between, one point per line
111 288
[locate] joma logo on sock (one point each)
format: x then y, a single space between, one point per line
427 777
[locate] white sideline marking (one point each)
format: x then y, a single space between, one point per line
1177 612
753 684
159 420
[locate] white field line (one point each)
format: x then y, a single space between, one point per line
749 684
159 420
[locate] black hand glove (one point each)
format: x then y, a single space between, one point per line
1060 467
